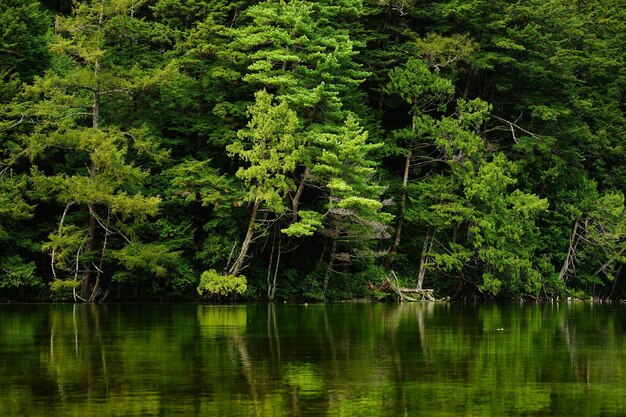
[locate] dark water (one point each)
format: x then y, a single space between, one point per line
339 360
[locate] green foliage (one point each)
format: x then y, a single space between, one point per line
296 49
216 285
476 198
16 273
154 258
64 290
309 222
23 37
446 51
419 87
272 147
141 141
347 171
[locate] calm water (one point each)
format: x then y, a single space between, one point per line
339 360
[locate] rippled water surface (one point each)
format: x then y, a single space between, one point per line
296 360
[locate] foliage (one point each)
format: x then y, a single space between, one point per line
142 143
15 273
272 147
23 37
215 285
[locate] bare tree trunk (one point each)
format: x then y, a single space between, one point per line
61 222
269 270
245 246
273 292
331 261
88 276
571 253
424 259
405 181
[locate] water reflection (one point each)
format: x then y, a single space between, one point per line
356 359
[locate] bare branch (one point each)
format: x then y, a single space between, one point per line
514 126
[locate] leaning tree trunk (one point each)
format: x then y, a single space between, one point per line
569 263
424 259
295 202
272 292
245 246
269 270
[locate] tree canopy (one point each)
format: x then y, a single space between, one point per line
311 150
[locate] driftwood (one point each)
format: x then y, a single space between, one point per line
392 285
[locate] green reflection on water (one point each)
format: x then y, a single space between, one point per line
348 359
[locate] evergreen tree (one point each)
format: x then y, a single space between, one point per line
272 146
474 215
81 159
353 218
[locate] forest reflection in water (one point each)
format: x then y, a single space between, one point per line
344 359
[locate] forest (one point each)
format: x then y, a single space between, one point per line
300 150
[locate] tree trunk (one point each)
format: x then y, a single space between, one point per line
99 281
296 198
331 261
424 259
571 253
273 291
614 286
88 276
405 181
245 246
269 270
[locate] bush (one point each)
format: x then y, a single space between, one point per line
218 286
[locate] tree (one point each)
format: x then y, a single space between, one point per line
272 147
477 216
423 91
597 243
354 216
81 159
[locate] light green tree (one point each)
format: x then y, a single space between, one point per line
423 91
270 147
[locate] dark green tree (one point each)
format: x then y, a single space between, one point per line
82 159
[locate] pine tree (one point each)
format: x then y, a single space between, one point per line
82 159
272 147
477 215
353 219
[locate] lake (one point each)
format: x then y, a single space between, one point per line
438 359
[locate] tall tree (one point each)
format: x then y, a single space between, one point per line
423 91
353 218
80 158
272 147
476 214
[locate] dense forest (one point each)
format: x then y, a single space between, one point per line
303 150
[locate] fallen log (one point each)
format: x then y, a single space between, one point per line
392 284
